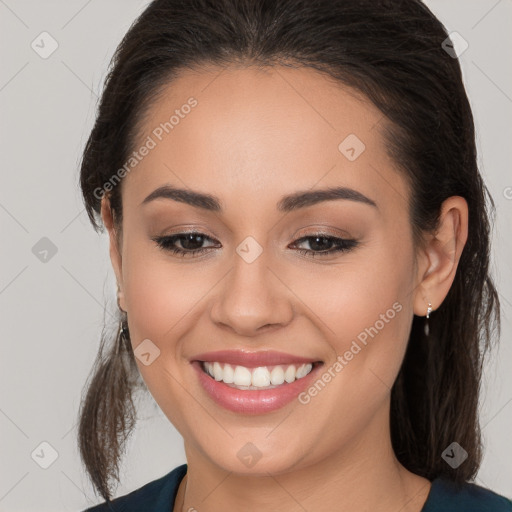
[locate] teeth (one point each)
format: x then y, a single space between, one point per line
290 373
242 376
217 371
260 377
255 378
277 376
302 371
228 374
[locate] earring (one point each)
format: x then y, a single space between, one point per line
123 336
426 327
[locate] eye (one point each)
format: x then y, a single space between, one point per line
191 244
324 245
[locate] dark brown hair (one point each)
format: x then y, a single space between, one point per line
391 51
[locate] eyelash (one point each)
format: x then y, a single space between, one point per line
167 243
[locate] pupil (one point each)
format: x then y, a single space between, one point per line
319 245
189 240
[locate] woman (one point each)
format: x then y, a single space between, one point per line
300 237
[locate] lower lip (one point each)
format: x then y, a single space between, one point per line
253 401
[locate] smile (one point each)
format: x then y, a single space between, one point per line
266 377
254 383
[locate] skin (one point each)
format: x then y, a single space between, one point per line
256 135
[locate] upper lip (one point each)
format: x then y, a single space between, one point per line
252 359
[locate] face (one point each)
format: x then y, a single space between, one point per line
323 284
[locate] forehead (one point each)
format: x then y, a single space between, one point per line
241 131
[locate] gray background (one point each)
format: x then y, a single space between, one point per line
52 312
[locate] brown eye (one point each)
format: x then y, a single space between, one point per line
322 245
191 243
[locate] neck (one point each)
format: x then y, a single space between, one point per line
362 475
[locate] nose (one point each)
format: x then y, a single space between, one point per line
252 299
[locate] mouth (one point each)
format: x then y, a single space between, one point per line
259 378
254 383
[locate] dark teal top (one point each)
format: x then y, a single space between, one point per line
444 496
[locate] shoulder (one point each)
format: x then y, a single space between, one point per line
447 496
155 496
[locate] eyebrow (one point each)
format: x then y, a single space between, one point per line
286 204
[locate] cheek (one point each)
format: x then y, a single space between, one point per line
362 298
162 295
163 301
364 312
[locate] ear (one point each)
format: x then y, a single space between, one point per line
439 259
115 249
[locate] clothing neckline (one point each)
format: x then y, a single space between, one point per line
444 494
181 471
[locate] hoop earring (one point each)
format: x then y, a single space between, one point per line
426 327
